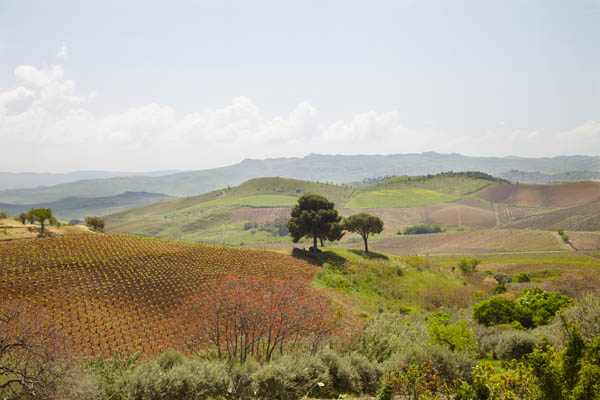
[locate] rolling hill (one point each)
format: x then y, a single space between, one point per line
255 212
314 167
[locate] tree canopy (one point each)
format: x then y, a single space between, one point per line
365 225
95 223
41 215
315 217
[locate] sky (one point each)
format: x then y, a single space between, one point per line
152 85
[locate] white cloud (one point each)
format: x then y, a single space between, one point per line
48 126
63 51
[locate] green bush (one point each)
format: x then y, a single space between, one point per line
290 377
514 344
563 235
420 229
388 333
542 305
534 307
521 277
499 289
500 310
468 266
502 278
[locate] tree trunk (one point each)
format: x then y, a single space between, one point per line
42 223
366 245
315 244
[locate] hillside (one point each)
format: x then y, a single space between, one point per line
541 178
472 242
255 212
314 167
555 195
585 217
12 230
113 292
80 207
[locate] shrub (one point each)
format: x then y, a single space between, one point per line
388 333
457 337
514 344
421 229
468 266
500 310
586 315
343 377
369 372
290 377
502 278
3 215
171 377
521 277
499 289
542 305
563 235
449 365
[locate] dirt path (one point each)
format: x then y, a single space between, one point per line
583 253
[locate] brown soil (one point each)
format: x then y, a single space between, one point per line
260 215
555 195
470 242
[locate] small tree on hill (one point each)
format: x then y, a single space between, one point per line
95 223
315 217
22 218
3 215
41 215
365 225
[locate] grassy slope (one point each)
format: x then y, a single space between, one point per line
210 217
379 282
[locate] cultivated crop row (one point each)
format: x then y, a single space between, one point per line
117 292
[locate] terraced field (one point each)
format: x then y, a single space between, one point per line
555 195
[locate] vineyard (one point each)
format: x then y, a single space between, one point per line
117 292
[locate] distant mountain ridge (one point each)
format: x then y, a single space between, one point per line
80 207
24 180
314 167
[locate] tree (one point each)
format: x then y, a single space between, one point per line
32 362
364 224
41 215
95 223
315 217
3 215
22 217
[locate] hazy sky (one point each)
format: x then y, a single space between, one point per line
148 85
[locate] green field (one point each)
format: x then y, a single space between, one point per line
390 198
255 201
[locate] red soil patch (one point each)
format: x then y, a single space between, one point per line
115 292
555 195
